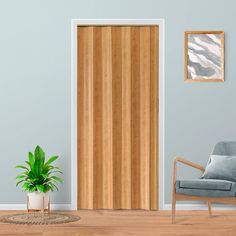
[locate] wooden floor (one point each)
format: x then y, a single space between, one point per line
136 223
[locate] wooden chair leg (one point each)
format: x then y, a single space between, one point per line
173 208
209 208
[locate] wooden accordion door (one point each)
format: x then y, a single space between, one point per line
117 117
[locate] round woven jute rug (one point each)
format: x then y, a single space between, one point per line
38 218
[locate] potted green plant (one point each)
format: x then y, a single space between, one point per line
38 178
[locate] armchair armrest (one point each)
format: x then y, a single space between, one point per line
185 162
189 163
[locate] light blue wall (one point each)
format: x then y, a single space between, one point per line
35 81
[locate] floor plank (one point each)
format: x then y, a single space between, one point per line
127 222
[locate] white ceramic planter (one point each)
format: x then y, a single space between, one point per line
38 201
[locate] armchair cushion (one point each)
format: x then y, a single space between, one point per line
206 187
210 184
221 167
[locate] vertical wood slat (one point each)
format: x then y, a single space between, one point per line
135 118
117 117
144 116
154 52
117 114
126 119
80 120
98 124
107 118
86 114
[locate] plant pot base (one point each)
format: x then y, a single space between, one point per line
44 207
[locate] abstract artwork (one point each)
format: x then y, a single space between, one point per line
204 56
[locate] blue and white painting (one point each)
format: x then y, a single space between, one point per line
204 56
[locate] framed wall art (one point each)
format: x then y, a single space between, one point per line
204 56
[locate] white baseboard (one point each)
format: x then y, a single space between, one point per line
166 206
11 207
188 207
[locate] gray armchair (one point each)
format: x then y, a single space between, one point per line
217 184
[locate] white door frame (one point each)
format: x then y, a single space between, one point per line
161 95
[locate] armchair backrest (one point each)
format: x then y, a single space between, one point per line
227 148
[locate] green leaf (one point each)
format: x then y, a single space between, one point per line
20 176
40 188
45 176
31 159
25 186
39 153
27 162
53 186
32 189
39 160
55 171
57 179
31 174
22 167
50 188
51 159
19 182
